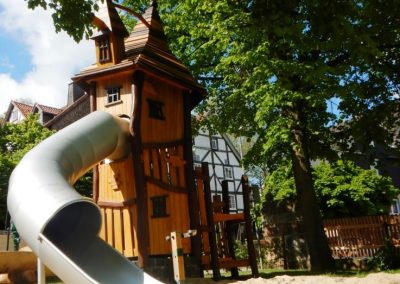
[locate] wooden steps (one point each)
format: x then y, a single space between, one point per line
224 217
228 263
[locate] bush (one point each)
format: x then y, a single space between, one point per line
387 257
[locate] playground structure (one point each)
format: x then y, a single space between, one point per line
138 142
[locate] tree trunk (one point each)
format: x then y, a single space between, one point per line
320 253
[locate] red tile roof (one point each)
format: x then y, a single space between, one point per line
25 109
51 110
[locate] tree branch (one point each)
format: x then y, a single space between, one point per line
137 15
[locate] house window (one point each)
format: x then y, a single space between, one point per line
14 115
228 172
159 206
214 143
156 110
232 202
104 50
113 95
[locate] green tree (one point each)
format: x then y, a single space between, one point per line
343 189
15 141
270 67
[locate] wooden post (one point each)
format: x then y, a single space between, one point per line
93 107
210 222
41 272
248 225
194 210
177 256
92 96
229 228
141 192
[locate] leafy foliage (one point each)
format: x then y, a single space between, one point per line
343 189
84 184
387 257
15 141
72 16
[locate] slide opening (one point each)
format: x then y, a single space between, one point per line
80 220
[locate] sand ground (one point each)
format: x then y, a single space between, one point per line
373 278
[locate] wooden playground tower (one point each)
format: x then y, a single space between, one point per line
155 191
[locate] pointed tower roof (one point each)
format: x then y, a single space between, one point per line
146 48
108 20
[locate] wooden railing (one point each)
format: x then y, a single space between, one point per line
363 236
164 165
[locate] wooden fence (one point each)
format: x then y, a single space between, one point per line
363 236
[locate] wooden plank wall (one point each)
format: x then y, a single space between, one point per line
177 220
124 81
170 129
117 204
362 236
164 172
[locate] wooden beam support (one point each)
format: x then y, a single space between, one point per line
248 226
93 107
141 191
210 222
194 210
229 228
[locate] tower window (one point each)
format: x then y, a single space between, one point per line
104 50
113 94
156 110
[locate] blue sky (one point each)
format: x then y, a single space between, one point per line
36 64
14 57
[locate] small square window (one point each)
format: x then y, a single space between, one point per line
159 206
228 172
156 110
214 143
113 95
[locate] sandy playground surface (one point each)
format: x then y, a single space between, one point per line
373 278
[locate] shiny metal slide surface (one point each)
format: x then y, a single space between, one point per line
60 225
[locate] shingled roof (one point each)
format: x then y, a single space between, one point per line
146 48
109 20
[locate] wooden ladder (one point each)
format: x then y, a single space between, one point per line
219 229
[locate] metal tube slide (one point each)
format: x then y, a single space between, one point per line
59 225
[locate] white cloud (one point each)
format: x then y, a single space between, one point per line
55 57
